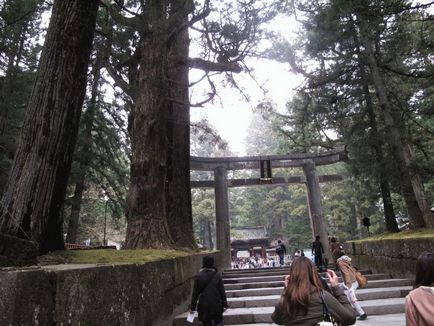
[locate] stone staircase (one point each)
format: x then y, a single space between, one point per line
252 294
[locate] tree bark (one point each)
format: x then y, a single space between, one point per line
146 201
179 211
83 154
397 137
32 202
13 94
377 144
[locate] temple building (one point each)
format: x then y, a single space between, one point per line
249 241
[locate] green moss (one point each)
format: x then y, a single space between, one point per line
108 256
407 235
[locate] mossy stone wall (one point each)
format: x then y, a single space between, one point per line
120 294
395 257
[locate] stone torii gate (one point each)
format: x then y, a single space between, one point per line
221 165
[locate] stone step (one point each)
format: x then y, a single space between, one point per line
278 288
274 278
233 273
383 293
256 285
252 294
384 306
255 271
365 294
388 283
282 272
228 271
270 272
263 314
271 284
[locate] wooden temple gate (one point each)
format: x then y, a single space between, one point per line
221 165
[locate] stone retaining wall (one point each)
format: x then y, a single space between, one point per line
124 294
395 257
17 252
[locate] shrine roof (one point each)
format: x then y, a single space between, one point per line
249 233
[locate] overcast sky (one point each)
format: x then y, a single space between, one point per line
231 114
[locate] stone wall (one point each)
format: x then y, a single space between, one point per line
124 294
395 257
17 252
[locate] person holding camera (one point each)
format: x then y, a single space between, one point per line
304 299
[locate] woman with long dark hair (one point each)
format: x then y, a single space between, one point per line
419 303
302 302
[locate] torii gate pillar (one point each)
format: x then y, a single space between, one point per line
315 206
223 242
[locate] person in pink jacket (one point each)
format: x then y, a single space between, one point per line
419 303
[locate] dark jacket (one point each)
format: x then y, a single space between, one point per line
337 304
208 289
281 249
317 248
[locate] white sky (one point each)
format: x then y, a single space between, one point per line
232 117
231 113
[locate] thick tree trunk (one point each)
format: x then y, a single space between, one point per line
33 198
389 213
376 140
397 138
146 201
83 154
179 211
12 100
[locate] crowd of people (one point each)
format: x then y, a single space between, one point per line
308 298
255 262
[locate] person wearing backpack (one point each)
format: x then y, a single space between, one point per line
281 252
209 296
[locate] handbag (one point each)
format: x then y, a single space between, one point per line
361 279
328 319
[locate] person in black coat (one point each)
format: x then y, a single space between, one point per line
318 250
281 252
209 290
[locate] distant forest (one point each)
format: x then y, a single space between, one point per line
95 129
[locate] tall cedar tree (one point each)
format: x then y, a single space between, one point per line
34 195
159 199
84 153
342 27
20 22
397 136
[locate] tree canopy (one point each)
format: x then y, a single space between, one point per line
116 135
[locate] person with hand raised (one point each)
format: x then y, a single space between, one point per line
304 298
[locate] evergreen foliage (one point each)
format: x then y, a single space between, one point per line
20 29
368 68
339 101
